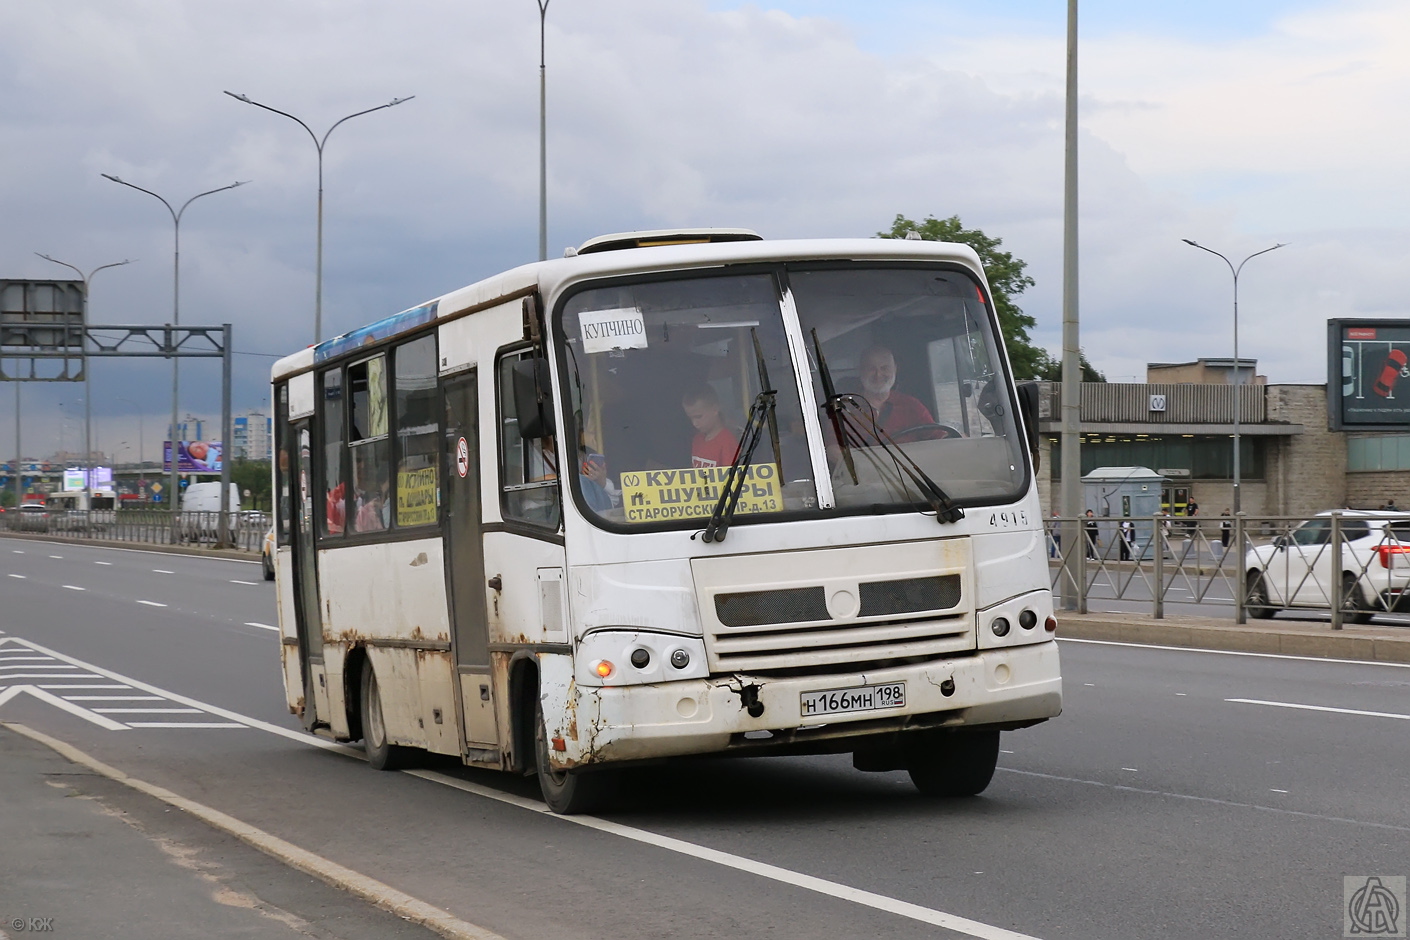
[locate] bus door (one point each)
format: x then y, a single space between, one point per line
307 616
465 563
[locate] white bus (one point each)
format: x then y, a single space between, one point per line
676 493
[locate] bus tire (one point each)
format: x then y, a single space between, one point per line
1256 602
567 792
381 755
959 763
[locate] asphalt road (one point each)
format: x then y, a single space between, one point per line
1180 794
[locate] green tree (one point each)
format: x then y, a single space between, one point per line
1006 281
1050 368
252 475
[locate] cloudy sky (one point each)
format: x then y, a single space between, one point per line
1235 124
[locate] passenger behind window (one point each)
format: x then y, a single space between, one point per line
592 477
714 445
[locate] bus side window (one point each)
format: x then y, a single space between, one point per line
528 470
370 443
418 433
333 514
282 483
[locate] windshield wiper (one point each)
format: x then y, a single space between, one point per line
849 431
761 416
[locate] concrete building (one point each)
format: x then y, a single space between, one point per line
253 436
1291 462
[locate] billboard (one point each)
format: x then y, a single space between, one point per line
1368 374
193 456
75 478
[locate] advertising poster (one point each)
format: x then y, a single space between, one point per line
194 457
1368 379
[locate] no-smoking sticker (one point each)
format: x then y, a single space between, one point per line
462 457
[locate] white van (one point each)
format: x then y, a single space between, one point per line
205 497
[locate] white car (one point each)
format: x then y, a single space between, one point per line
1295 570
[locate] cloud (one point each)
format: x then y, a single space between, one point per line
677 114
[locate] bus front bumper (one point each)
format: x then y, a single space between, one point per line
1008 687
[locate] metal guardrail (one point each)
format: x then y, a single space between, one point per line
1352 565
149 526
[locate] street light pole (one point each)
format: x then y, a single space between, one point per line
1240 549
176 214
543 135
319 143
87 383
1238 371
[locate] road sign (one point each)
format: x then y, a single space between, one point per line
462 457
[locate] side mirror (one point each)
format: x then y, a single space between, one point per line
533 398
1028 408
1281 542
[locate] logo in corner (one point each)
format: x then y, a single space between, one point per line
1374 906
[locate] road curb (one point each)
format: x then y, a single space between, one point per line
329 872
233 553
1369 645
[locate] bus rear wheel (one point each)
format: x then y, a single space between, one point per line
381 754
959 763
567 792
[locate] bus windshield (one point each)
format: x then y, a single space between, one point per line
910 353
661 376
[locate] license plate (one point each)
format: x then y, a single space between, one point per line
860 698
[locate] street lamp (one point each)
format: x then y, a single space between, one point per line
543 136
1238 371
1238 381
87 384
176 215
319 143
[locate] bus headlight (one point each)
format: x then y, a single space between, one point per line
638 657
1014 622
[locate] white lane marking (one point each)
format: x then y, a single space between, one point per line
130 683
1276 790
1002 751
162 571
830 888
151 603
148 711
16 551
263 626
148 551
114 698
108 563
1129 769
1181 694
185 725
786 876
250 583
86 685
75 587
22 577
1090 685
47 664
57 702
1319 708
1200 649
17 659
60 557
1142 791
51 675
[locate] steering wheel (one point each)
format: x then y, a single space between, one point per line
927 432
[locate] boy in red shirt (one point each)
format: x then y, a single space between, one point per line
714 445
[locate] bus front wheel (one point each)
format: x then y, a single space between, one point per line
567 792
959 763
381 754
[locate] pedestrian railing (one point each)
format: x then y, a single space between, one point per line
1351 564
149 526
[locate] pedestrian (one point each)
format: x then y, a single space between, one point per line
1390 505
1056 534
1192 507
1226 528
1128 538
1090 525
